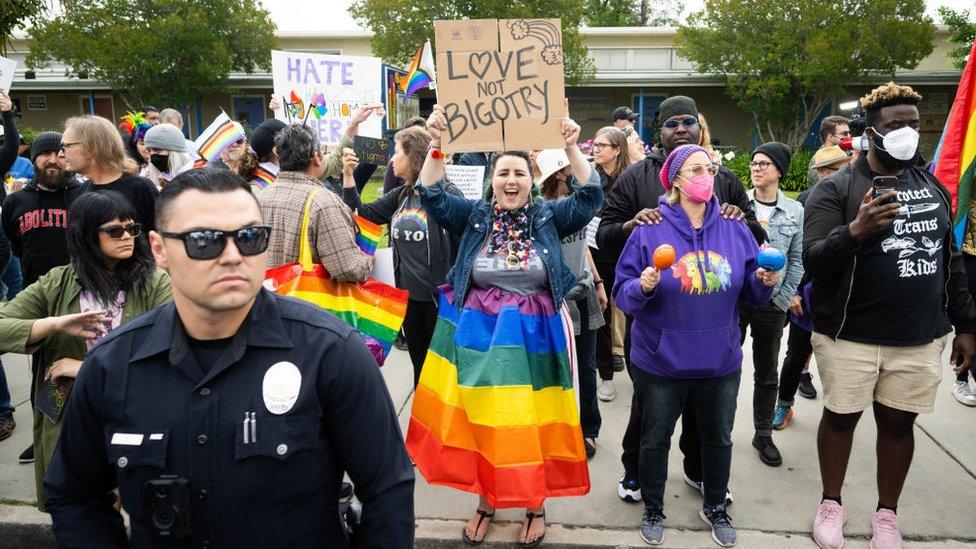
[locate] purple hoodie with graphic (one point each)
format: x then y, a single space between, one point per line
688 326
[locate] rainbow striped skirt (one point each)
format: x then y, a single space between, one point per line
495 412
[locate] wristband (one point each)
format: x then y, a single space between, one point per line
597 282
435 152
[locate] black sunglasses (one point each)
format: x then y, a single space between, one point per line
210 243
117 231
687 121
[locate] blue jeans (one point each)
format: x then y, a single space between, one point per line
663 399
590 419
13 279
6 408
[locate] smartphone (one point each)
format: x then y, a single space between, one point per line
884 184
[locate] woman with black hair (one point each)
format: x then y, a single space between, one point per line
112 279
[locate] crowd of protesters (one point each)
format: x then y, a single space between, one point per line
523 305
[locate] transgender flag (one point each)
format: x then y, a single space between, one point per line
421 73
220 134
955 158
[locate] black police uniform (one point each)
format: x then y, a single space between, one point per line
144 409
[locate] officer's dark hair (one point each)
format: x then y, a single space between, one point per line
205 180
86 214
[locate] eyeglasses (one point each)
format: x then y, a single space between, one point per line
846 133
118 231
601 146
698 169
688 122
761 165
66 146
206 244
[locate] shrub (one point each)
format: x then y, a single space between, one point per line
795 180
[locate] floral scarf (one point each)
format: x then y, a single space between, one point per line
510 236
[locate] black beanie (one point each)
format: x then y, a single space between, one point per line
675 105
777 152
262 138
45 142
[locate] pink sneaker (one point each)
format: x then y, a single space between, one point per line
828 527
886 532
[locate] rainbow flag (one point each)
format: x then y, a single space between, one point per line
495 412
264 176
368 236
220 134
955 157
421 73
372 307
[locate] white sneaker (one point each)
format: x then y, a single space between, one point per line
960 389
607 391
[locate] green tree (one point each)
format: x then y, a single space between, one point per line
18 15
962 31
610 13
785 61
659 13
160 51
401 26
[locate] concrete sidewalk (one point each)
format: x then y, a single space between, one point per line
774 507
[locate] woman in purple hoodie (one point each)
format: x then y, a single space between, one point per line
686 330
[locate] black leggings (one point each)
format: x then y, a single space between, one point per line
418 328
969 262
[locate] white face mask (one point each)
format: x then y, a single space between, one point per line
901 144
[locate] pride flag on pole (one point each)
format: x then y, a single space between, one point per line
421 73
220 134
955 157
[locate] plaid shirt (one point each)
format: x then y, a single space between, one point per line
332 233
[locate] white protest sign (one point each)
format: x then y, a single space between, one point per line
470 180
383 266
324 91
7 67
591 232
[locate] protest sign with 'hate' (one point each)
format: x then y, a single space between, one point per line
501 83
323 91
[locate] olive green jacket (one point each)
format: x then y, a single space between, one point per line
54 294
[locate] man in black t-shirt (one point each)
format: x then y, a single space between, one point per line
887 282
92 147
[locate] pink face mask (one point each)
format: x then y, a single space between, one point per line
699 188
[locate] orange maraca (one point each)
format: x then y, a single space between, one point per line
664 257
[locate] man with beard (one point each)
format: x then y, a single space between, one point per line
634 201
35 218
888 288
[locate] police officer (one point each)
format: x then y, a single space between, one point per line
227 417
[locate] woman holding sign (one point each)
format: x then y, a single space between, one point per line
111 280
685 341
495 412
423 251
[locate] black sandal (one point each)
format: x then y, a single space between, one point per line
483 515
528 526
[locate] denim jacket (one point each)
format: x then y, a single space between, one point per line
549 221
785 231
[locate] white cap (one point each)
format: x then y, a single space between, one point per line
551 161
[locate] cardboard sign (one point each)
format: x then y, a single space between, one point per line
371 150
7 67
323 91
470 180
501 84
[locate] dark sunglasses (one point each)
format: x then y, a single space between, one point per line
209 244
687 121
117 231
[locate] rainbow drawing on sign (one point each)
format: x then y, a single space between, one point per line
317 106
295 106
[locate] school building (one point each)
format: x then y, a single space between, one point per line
635 66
